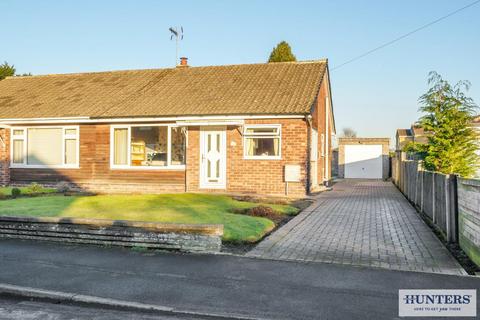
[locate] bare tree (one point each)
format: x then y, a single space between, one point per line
349 133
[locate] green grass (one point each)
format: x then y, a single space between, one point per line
168 208
25 190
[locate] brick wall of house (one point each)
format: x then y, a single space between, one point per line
4 156
95 174
243 176
319 123
256 176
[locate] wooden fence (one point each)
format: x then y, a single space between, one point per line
432 193
469 217
451 203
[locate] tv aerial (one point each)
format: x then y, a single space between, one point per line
176 33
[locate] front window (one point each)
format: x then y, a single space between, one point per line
45 147
262 142
148 146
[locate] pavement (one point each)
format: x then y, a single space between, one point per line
20 309
361 223
215 286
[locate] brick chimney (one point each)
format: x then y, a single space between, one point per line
183 62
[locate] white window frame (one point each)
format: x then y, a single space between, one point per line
129 166
24 138
262 135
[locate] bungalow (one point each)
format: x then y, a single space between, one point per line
252 128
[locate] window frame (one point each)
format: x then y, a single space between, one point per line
246 136
24 138
129 166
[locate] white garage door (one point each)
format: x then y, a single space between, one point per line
363 161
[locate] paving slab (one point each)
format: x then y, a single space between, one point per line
363 223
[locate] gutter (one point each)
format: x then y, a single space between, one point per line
146 119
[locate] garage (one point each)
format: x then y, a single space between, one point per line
363 158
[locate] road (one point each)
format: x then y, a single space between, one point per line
217 284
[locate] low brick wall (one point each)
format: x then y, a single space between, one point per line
469 217
182 237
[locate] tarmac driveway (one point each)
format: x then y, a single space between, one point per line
364 223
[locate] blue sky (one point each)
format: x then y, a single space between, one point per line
374 95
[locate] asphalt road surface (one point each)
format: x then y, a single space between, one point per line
217 284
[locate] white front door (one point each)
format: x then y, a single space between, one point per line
213 157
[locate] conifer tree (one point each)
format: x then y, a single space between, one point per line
282 53
448 116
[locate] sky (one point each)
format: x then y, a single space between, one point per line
374 95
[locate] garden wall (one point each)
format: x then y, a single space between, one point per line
182 237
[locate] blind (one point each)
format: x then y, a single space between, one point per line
44 146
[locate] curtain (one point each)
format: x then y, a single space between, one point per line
251 146
120 154
70 151
276 144
17 151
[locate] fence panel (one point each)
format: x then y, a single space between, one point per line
412 179
440 201
394 170
419 189
428 193
469 217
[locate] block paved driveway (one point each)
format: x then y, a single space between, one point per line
364 223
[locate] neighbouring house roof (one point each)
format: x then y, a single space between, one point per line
476 121
256 89
418 131
404 132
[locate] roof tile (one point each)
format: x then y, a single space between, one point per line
271 88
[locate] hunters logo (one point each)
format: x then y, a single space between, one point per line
439 303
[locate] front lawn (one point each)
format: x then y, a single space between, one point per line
168 208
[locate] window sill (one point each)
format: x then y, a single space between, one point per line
147 168
262 158
26 166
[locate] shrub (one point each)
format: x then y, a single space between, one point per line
63 187
16 192
3 196
261 211
265 212
35 188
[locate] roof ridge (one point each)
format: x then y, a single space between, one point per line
83 73
323 60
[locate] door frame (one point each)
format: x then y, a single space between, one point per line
203 184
